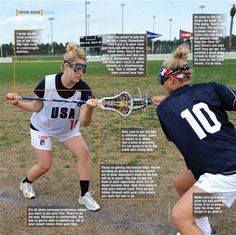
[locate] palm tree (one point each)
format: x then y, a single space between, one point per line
232 13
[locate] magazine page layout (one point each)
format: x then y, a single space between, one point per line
117 117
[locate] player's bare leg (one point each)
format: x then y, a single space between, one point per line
182 213
44 162
184 181
78 146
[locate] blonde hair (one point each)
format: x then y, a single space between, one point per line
73 52
178 59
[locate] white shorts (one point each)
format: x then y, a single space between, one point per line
222 185
42 141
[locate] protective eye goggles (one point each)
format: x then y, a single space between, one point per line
76 67
166 73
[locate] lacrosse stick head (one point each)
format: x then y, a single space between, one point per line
141 102
121 103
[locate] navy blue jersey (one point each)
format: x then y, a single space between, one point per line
193 117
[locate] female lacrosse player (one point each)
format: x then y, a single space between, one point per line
193 117
62 121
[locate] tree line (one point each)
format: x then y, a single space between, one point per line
160 47
44 49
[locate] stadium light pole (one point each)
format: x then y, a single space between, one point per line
88 16
51 19
122 24
86 25
202 7
48 44
232 14
170 29
153 28
1 51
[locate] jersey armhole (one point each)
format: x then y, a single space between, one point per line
234 102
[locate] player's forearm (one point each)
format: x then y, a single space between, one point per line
86 114
29 106
16 101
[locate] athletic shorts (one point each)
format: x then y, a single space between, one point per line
42 141
222 185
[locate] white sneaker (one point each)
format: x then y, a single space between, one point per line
88 201
27 190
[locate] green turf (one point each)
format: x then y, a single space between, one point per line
28 74
39 58
33 71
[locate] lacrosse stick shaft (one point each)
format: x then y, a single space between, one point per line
53 100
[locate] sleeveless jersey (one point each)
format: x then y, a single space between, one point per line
56 118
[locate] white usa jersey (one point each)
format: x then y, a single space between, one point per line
57 119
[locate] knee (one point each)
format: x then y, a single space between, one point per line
176 181
178 184
45 168
175 215
180 220
177 218
83 154
183 182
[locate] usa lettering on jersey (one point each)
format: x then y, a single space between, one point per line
63 112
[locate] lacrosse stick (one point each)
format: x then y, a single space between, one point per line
79 102
141 102
121 103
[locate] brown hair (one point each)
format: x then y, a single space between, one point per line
73 52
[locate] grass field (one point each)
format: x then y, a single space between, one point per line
33 71
60 185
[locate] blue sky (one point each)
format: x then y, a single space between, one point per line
105 17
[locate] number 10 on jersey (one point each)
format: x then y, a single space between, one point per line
197 110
